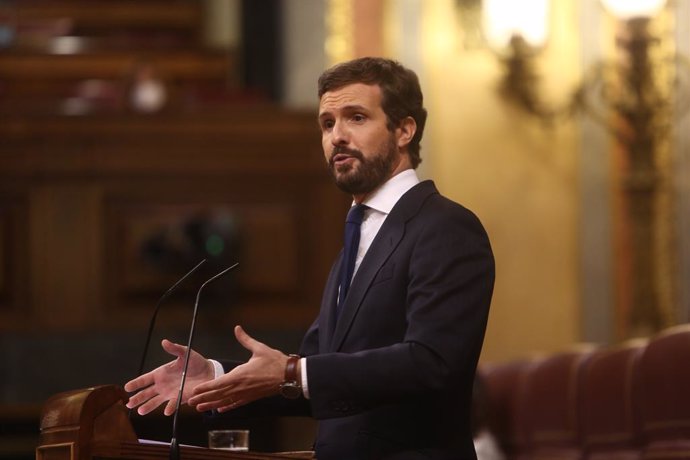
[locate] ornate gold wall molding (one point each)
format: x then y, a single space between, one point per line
354 28
339 44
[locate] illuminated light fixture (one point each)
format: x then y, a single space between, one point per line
506 19
518 30
629 9
634 96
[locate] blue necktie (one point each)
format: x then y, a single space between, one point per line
352 227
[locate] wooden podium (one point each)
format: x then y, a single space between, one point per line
93 423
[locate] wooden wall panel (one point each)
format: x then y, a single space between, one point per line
101 190
65 248
13 253
264 238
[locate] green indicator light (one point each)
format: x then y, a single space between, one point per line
214 245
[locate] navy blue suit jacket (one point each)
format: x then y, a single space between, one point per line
392 378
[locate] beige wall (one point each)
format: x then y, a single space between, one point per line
518 175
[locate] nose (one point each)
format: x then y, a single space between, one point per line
339 134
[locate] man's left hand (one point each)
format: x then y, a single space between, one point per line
258 378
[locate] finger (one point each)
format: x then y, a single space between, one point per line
212 395
246 340
173 348
170 407
201 389
150 405
205 407
211 405
211 385
231 406
139 382
223 403
141 397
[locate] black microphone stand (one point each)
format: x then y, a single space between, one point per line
155 313
174 444
152 322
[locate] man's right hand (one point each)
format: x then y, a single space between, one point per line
162 384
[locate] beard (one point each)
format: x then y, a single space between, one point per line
367 174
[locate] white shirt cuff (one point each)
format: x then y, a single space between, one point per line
303 374
217 368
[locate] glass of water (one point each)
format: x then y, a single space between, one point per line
234 440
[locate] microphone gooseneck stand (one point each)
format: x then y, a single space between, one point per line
174 444
152 322
155 313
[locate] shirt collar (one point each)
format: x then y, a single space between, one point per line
384 198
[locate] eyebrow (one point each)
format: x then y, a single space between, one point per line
346 108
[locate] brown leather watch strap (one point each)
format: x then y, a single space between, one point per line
291 368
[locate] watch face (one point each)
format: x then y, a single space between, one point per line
290 390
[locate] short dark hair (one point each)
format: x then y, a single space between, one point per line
402 95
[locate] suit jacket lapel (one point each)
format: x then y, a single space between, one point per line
379 251
327 314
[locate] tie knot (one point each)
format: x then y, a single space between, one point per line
356 214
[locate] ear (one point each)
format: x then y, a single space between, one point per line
406 131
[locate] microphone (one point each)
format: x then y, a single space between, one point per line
152 323
174 445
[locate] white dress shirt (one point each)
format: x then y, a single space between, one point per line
380 204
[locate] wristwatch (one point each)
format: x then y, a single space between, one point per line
291 388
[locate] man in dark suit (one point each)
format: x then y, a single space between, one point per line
387 368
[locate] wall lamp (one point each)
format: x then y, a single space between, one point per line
518 32
635 97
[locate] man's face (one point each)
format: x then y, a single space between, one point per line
360 150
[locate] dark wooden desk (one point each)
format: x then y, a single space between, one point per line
92 423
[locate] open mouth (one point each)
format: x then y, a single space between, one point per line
341 159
